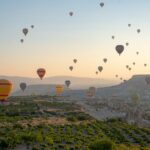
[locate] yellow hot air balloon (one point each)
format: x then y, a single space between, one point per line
59 90
5 89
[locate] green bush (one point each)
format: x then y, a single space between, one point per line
102 145
72 118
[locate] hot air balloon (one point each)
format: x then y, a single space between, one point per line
96 72
127 44
137 53
145 65
116 76
113 37
101 4
5 89
138 30
71 13
59 90
129 69
32 26
119 49
134 63
41 72
71 68
75 61
100 68
129 25
121 78
67 82
23 86
25 31
22 40
127 66
147 79
105 60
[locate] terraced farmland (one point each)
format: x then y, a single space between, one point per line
42 125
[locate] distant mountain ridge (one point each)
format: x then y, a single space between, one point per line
77 82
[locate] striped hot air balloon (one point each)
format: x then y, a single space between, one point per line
41 73
5 89
59 90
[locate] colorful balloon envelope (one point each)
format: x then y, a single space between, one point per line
5 89
59 90
41 73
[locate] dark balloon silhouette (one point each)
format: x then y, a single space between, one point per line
32 26
127 44
145 65
113 37
23 86
75 61
22 40
71 68
25 31
71 13
102 4
100 68
67 82
119 49
138 30
105 60
129 25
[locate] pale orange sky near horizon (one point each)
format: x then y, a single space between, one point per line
58 38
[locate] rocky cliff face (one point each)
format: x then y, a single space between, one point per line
136 84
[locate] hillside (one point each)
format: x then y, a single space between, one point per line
35 123
135 84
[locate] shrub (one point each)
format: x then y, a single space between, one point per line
72 118
102 145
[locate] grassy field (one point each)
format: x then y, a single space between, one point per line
37 123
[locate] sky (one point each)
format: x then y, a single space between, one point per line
58 38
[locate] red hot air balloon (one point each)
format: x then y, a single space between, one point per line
41 72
